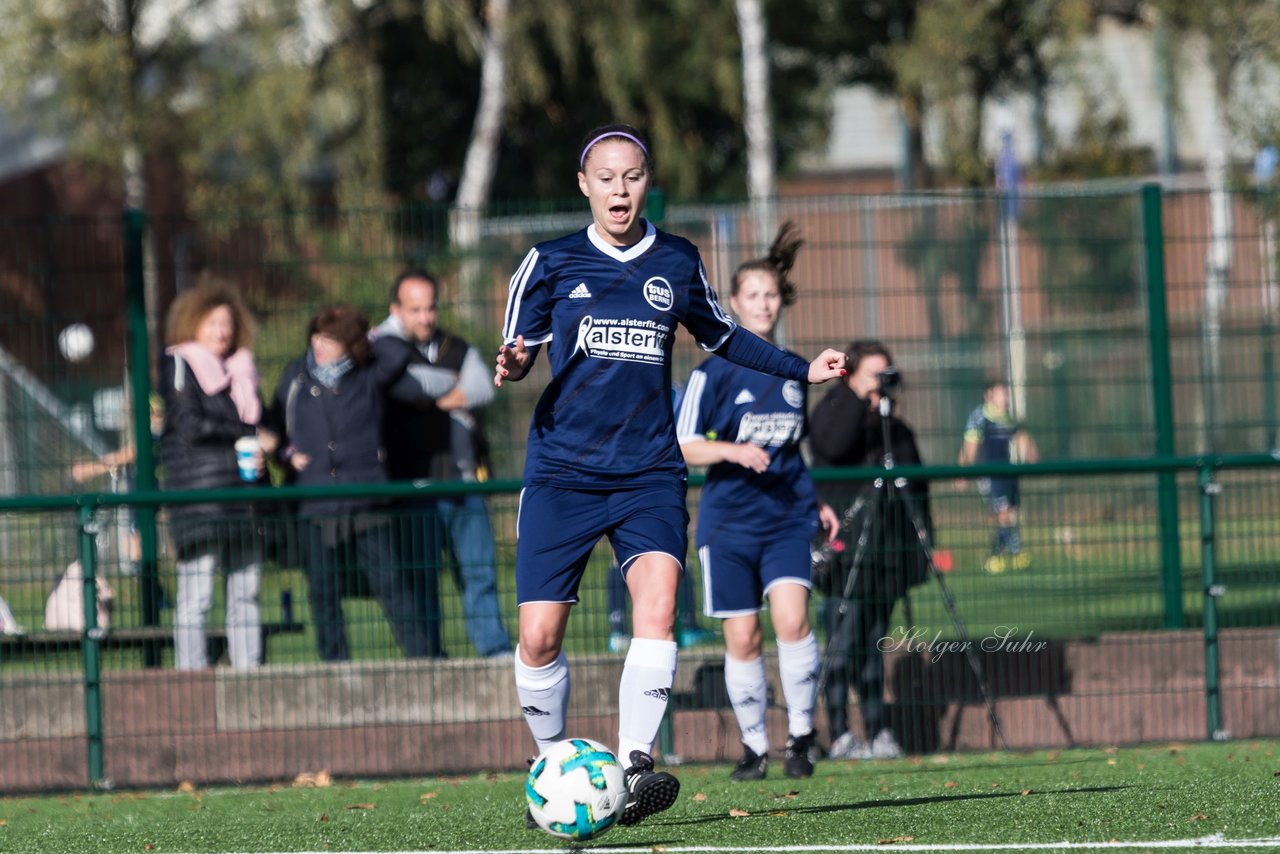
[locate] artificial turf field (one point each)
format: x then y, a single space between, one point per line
1169 797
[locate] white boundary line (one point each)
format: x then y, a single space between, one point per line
1207 842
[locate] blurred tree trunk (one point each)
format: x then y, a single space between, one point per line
1218 256
761 187
482 157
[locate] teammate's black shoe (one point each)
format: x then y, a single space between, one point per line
753 766
650 791
799 756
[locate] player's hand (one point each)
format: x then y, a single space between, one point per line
511 360
830 521
749 456
828 366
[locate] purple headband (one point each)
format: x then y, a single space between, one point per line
582 161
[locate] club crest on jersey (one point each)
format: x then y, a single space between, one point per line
623 340
793 394
657 292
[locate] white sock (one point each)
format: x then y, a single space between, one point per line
798 669
544 698
647 676
748 689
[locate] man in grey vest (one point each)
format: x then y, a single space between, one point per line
430 433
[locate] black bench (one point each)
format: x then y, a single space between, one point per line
147 639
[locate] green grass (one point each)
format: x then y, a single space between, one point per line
1166 792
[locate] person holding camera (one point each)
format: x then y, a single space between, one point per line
746 427
848 428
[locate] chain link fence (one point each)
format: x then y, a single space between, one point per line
1146 377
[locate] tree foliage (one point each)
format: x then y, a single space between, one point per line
962 53
280 103
250 105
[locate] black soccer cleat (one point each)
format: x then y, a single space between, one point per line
649 791
529 823
753 766
799 756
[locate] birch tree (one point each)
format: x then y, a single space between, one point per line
757 118
490 42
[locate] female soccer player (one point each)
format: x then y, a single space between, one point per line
758 515
602 457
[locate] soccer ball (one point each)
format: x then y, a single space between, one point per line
576 789
75 342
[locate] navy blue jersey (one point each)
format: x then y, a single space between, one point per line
993 431
609 317
727 403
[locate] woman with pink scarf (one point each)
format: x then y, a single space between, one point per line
210 388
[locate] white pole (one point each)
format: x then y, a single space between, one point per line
1017 335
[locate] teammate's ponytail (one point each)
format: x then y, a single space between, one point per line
779 261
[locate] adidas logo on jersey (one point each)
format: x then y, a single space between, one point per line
659 693
580 292
744 396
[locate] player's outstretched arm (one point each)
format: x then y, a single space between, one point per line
828 366
513 362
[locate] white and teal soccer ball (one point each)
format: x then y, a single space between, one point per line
576 789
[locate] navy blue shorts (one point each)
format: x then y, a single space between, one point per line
1001 493
739 571
557 529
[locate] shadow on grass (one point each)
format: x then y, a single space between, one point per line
950 768
873 804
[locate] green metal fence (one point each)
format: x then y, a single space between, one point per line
1150 610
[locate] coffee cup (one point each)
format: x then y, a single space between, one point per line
248 455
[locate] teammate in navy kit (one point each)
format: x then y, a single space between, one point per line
602 457
758 515
991 435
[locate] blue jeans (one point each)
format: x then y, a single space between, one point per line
462 526
855 656
470 539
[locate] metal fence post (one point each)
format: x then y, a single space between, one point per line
1209 490
1162 404
135 223
90 644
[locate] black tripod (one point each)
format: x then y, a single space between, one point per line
881 496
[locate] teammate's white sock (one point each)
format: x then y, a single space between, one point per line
544 698
748 689
798 670
647 676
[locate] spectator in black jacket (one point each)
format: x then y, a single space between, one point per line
210 388
845 430
327 413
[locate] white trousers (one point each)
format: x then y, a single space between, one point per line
243 566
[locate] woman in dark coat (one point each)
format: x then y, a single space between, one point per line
327 413
209 383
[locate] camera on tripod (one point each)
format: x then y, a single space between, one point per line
890 382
